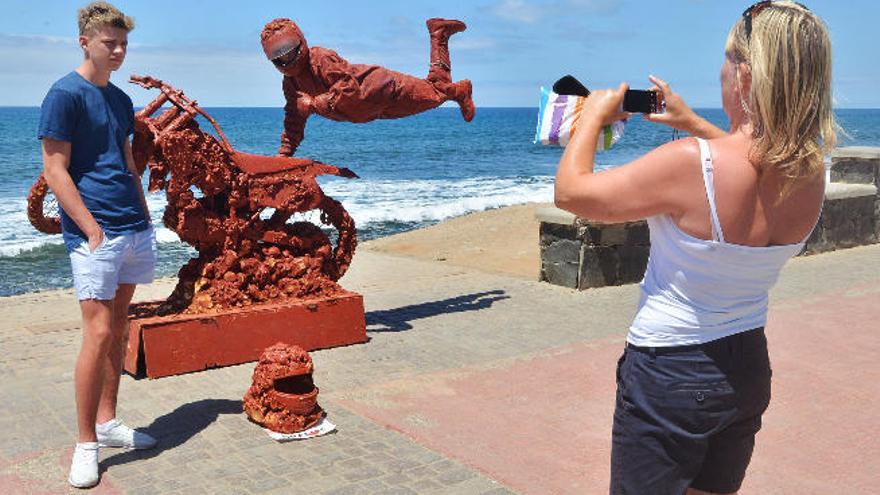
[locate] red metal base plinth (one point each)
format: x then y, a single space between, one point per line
170 345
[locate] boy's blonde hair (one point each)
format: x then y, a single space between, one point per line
789 102
100 14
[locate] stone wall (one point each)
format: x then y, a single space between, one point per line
849 218
581 254
856 165
859 165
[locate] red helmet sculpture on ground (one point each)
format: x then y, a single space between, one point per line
317 80
283 397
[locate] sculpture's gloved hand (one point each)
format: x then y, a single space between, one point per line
323 104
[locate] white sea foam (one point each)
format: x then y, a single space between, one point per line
16 233
369 201
13 247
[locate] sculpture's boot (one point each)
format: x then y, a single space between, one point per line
440 31
440 74
461 92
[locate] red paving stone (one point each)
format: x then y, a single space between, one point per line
542 425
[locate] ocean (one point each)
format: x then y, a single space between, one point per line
414 172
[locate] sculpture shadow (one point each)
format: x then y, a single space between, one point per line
398 319
175 429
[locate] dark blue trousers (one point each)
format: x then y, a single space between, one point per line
687 416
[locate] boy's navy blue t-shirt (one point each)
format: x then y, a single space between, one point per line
96 121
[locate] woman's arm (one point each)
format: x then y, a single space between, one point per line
655 183
680 116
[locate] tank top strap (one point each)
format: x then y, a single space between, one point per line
709 181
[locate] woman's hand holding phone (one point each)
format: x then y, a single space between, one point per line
679 115
604 105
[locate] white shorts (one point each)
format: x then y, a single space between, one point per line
122 259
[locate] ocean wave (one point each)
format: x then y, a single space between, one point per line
31 247
374 201
165 235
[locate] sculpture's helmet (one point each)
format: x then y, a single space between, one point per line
283 396
285 46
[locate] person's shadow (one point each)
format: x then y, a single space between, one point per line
398 319
176 428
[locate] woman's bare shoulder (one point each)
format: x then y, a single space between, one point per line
675 157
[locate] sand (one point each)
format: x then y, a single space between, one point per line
502 241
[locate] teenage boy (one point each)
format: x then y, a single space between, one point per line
85 126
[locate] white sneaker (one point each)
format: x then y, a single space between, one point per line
84 466
115 433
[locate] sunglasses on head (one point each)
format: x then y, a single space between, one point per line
756 9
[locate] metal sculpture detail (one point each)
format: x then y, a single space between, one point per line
283 397
42 209
317 80
234 209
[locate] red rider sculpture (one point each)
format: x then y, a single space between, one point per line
317 80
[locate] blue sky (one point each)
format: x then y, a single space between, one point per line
512 47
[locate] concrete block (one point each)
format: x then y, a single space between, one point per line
559 262
555 215
551 232
598 267
633 260
856 165
846 221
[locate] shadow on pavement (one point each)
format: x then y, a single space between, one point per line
175 429
398 319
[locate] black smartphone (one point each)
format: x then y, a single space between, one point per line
643 101
635 100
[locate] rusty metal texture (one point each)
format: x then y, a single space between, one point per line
42 220
234 208
184 343
319 81
283 396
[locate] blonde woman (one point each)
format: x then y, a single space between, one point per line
726 210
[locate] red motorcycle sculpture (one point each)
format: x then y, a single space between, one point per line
235 209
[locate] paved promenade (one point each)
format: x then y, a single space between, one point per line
471 383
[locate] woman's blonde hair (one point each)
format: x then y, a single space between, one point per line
99 14
789 105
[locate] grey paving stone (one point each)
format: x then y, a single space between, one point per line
397 479
347 490
264 484
400 490
425 485
361 473
453 476
498 491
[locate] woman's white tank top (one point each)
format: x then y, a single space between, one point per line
698 290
